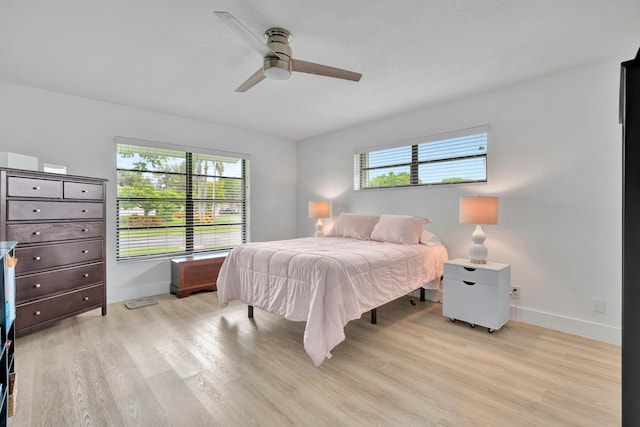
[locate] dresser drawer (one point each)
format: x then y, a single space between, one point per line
33 187
470 274
34 286
40 257
34 210
78 190
50 232
59 307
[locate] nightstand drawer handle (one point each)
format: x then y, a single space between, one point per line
37 313
36 258
468 283
37 285
469 268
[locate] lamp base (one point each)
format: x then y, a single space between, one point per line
319 229
478 251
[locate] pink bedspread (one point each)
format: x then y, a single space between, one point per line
326 281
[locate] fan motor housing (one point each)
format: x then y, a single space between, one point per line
278 68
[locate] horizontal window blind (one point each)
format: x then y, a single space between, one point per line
172 202
459 157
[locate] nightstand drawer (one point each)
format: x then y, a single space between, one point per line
476 303
470 274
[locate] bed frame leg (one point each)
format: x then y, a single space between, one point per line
422 297
374 316
250 311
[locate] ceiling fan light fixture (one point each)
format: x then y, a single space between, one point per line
276 68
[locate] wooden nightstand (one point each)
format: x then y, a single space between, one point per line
477 293
195 273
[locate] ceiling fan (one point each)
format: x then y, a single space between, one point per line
278 62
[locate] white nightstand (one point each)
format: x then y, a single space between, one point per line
477 293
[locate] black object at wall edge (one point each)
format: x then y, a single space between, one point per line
630 119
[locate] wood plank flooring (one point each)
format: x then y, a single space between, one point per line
190 362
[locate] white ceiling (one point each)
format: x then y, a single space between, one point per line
175 56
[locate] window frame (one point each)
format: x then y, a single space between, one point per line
190 200
362 168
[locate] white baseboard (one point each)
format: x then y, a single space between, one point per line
583 328
118 295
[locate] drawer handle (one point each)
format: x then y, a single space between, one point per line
85 299
84 191
84 230
37 285
84 211
84 251
468 283
469 268
36 211
85 275
36 188
36 258
37 313
36 233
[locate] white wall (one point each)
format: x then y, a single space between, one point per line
79 133
554 159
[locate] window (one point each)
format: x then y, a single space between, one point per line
172 202
455 157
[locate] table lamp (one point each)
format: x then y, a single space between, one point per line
319 209
478 210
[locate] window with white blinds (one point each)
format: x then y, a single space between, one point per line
456 157
173 202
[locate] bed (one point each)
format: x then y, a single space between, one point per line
329 281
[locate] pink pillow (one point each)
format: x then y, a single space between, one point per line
402 229
352 225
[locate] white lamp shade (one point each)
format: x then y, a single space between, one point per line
479 210
319 209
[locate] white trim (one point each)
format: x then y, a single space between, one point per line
139 291
583 328
176 147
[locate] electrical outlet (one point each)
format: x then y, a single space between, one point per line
598 305
515 292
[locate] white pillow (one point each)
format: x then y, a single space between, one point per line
399 229
352 225
427 238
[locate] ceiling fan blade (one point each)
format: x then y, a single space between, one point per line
246 34
323 70
256 78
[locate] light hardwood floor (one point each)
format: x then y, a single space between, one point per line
189 362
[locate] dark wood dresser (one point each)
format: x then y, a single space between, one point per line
59 223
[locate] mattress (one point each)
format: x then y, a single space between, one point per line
326 281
